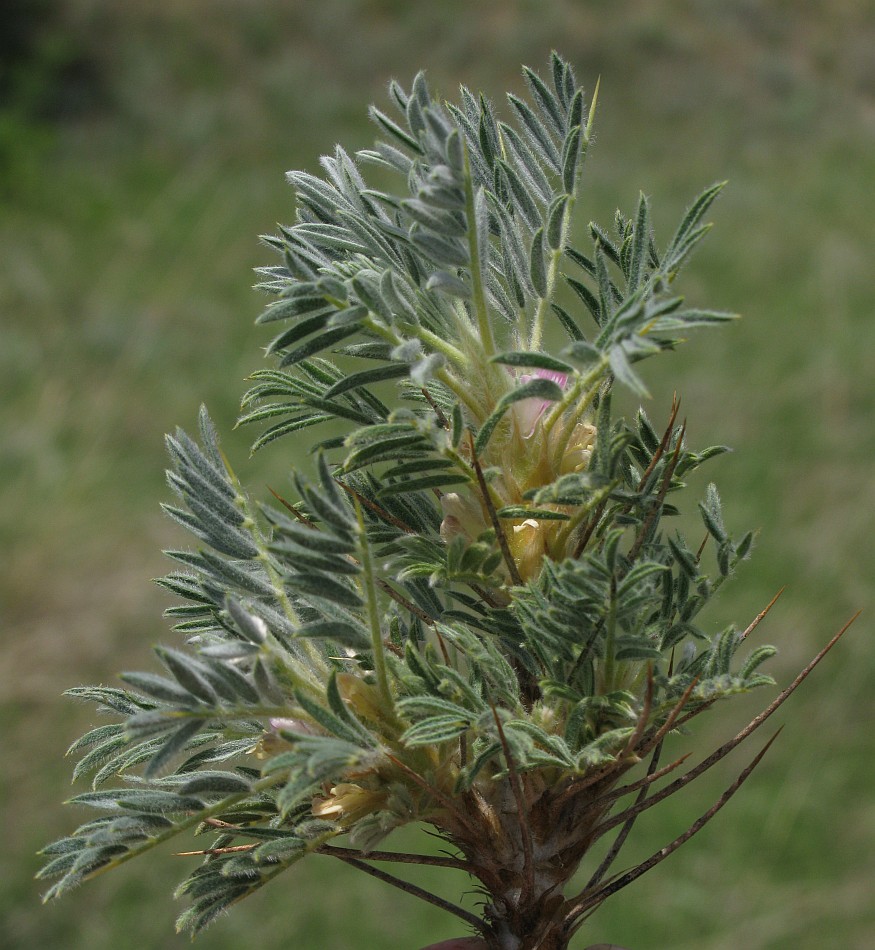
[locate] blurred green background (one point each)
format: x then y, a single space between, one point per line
142 150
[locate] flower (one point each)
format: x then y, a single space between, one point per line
272 741
528 546
528 412
577 451
348 802
462 515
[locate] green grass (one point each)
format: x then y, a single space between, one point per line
126 242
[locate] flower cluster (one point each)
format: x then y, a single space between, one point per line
534 456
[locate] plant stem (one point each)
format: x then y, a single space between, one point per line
409 888
590 901
373 607
481 310
582 512
610 632
398 857
317 668
556 255
570 397
453 354
511 564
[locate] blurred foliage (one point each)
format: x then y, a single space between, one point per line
49 73
44 71
127 234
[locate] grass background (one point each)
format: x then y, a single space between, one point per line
142 150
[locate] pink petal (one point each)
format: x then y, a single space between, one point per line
529 411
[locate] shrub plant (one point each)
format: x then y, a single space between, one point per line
476 616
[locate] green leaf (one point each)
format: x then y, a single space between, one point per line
581 260
538 388
393 129
303 328
534 360
521 196
758 656
346 728
404 445
185 670
449 284
538 264
420 465
159 687
712 513
175 743
204 911
525 163
344 634
253 628
640 572
321 342
589 299
366 378
433 731
296 305
425 482
569 324
700 318
286 428
546 101
458 425
426 705
238 575
640 244
101 753
280 849
538 136
319 585
445 252
556 222
689 232
156 801
582 353
468 774
216 783
635 650
98 735
684 557
571 156
516 512
622 369
571 489
226 539
299 558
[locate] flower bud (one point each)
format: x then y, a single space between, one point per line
528 412
461 516
272 742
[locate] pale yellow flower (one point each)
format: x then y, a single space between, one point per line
347 802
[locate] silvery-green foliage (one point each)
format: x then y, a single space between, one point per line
478 593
